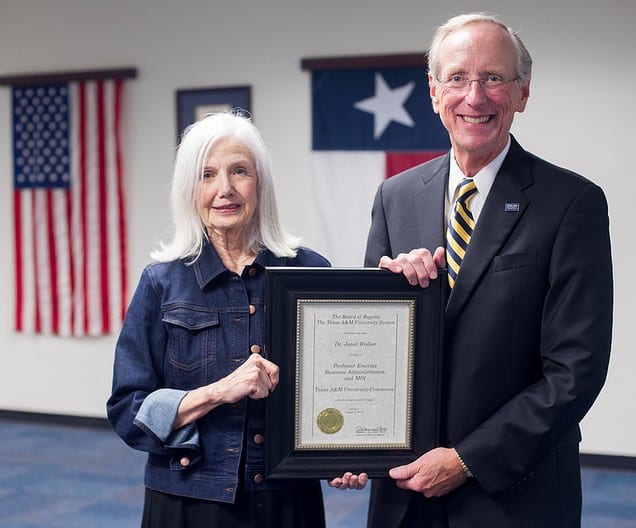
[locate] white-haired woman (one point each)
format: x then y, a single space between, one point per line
189 380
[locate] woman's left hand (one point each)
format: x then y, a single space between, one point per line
256 378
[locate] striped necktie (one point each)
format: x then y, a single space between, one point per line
460 228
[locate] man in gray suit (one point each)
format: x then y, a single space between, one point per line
528 319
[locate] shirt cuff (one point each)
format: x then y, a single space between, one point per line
157 414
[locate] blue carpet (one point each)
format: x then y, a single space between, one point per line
59 476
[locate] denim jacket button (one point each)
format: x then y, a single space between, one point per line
258 478
252 272
252 309
255 349
259 439
185 461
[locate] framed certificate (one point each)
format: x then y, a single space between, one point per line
360 367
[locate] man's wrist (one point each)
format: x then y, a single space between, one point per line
467 471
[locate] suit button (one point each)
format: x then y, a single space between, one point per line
259 439
258 478
185 461
255 349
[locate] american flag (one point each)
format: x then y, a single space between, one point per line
70 244
368 124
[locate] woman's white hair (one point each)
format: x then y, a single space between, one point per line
190 234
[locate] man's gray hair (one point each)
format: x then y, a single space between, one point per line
523 66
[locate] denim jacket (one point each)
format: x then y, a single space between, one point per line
189 325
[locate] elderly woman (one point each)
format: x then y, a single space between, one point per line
189 380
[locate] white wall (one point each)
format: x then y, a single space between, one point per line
581 114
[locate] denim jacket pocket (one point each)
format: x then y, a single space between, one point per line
192 341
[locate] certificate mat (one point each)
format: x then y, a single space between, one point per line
360 368
354 363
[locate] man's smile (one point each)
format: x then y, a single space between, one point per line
477 120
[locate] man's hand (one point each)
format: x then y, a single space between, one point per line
434 474
419 266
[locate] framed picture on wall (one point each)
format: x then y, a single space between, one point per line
192 104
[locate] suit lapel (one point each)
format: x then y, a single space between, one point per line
429 206
502 210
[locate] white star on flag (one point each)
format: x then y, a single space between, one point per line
387 105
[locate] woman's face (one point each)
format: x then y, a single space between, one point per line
226 195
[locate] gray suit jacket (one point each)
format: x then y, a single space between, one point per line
527 337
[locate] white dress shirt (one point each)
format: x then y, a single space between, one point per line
483 181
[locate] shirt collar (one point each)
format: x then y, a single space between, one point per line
483 179
209 266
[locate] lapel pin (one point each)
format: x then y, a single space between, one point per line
511 207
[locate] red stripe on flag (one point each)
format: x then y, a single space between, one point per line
36 264
103 213
19 299
82 181
52 264
120 198
71 260
397 162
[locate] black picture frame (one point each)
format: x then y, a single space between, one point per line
194 103
285 288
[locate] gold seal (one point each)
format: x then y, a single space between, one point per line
330 420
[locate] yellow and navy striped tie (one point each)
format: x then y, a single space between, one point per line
460 228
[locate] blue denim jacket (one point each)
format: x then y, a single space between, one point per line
188 326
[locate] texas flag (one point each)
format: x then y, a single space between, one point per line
368 124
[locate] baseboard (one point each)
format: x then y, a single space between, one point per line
627 463
56 419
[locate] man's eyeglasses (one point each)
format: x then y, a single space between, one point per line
461 83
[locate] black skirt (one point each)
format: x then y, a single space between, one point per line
300 507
